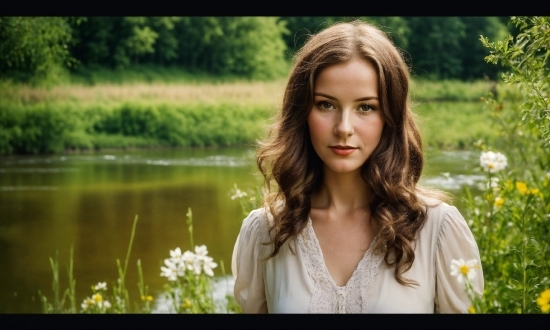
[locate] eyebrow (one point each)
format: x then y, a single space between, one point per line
366 98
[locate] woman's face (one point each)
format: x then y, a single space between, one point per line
345 122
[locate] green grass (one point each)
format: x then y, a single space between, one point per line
454 125
151 74
199 114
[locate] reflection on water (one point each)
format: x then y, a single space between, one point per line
89 201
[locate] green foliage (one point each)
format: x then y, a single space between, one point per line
50 128
435 47
444 47
250 47
527 56
510 220
38 49
35 49
246 46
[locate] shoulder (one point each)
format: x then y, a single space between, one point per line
439 210
442 218
256 224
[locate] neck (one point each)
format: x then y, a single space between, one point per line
343 192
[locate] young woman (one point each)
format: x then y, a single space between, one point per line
345 227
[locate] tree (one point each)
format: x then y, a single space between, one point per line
34 48
435 45
244 46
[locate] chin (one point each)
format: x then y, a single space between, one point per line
343 168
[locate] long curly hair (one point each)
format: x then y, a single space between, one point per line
293 170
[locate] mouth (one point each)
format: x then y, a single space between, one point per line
342 150
339 147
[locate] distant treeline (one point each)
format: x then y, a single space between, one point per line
249 47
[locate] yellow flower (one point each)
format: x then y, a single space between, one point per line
97 297
544 301
499 201
186 303
149 298
471 310
522 188
536 191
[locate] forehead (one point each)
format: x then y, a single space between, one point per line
355 74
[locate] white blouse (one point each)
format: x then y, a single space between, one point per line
299 282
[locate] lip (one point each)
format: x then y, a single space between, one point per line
342 150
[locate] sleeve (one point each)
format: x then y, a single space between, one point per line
455 241
247 266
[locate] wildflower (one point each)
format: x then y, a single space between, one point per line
493 184
186 303
147 298
201 251
238 194
522 188
493 161
87 303
499 201
188 256
462 269
208 265
100 286
170 272
107 304
196 267
97 297
536 191
544 301
176 254
471 310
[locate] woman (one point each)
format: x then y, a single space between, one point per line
345 227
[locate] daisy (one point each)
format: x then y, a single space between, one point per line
493 161
463 269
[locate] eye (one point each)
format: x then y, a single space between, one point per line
324 105
365 108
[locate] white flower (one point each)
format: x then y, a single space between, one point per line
179 264
87 303
209 264
170 271
238 194
188 259
462 269
201 251
493 161
176 255
493 184
197 266
101 286
107 304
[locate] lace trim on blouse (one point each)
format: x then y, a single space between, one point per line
327 296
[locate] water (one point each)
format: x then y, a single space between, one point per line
89 201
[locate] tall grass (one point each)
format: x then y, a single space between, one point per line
200 114
454 125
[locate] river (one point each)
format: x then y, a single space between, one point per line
89 202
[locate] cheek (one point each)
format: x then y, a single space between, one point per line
318 127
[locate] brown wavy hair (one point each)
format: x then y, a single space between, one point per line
293 170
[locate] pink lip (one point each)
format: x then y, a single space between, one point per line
342 150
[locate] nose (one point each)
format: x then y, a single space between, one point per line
343 127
